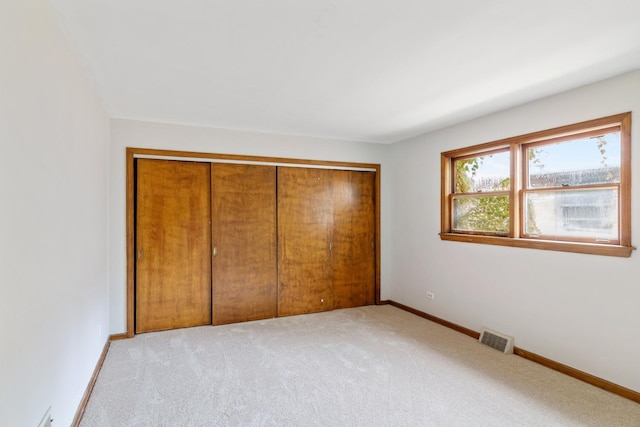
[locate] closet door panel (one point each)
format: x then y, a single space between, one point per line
304 231
353 255
244 238
173 245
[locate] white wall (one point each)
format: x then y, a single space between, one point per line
127 133
53 220
580 310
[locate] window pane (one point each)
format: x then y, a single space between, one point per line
577 214
585 161
484 173
481 214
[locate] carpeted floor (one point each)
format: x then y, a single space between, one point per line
368 366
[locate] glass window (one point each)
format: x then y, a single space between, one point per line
582 161
481 196
571 188
482 214
586 215
544 190
482 173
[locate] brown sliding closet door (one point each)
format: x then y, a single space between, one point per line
304 231
173 245
353 255
244 242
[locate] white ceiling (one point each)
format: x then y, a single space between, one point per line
367 70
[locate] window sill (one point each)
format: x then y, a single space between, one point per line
550 245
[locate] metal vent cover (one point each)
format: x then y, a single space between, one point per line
497 340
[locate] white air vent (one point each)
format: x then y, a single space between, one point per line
496 340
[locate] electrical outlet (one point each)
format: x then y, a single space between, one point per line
430 295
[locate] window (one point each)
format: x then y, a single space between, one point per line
565 189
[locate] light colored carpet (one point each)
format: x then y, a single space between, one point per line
368 366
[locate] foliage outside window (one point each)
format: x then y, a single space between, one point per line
565 189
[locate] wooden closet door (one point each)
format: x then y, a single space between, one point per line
173 245
304 230
244 241
353 255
